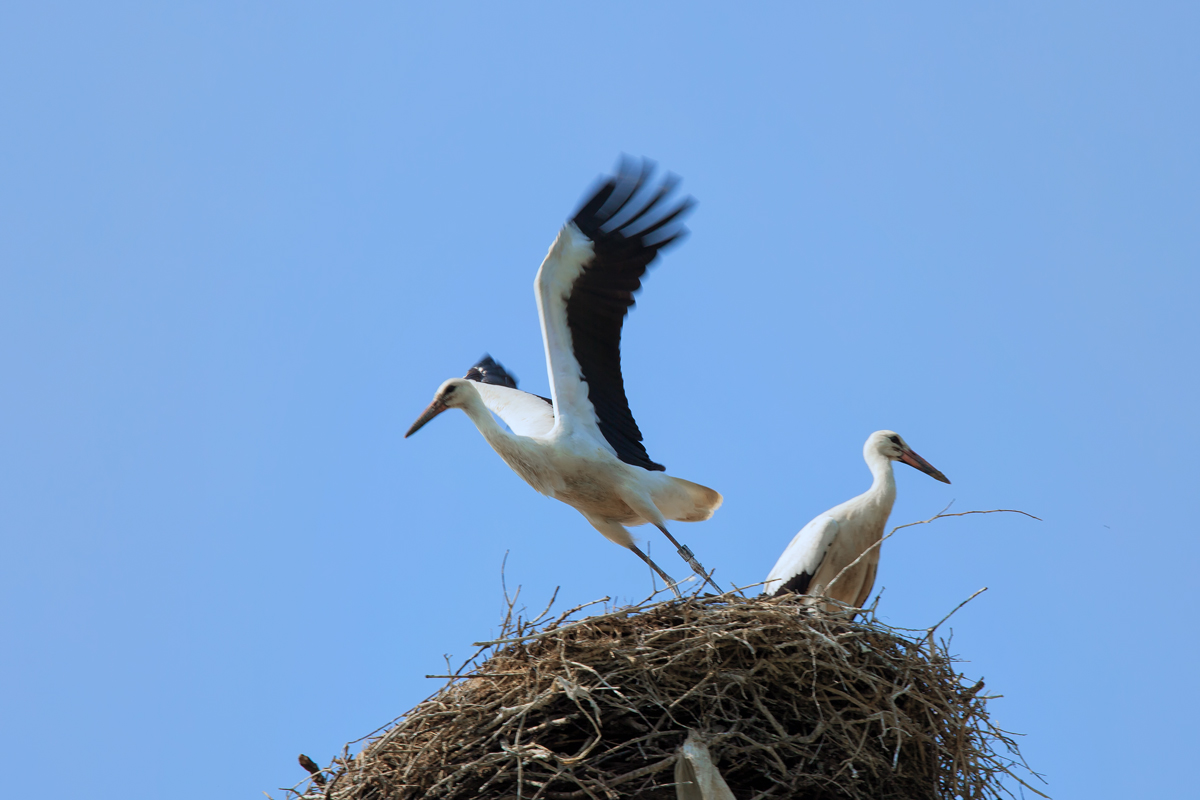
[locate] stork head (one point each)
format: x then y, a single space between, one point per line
889 444
454 393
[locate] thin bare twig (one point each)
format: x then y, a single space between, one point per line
553 631
577 609
478 675
940 515
929 631
549 605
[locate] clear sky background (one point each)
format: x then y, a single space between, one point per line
241 244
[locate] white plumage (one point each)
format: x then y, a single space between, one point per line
582 446
832 541
525 414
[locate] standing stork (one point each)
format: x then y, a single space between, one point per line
834 540
582 445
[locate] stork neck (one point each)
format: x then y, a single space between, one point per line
883 487
485 422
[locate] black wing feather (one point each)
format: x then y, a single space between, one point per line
627 233
796 583
489 370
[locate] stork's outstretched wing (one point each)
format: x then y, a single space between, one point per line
585 288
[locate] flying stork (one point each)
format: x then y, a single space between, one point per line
832 541
581 445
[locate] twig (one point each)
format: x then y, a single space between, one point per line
739 589
503 564
478 675
579 607
556 630
929 631
551 629
940 515
550 632
549 605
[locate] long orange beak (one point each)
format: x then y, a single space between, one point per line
914 460
435 408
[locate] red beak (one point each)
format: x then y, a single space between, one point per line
914 460
435 408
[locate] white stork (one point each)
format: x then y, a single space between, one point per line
832 541
582 446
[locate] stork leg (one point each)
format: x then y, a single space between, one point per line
686 554
616 533
666 578
644 507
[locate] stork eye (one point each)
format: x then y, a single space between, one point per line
449 389
895 440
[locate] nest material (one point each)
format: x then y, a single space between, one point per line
789 701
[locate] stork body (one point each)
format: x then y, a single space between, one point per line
828 544
582 445
578 470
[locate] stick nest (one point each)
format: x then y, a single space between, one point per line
791 702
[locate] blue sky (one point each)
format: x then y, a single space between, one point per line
242 243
